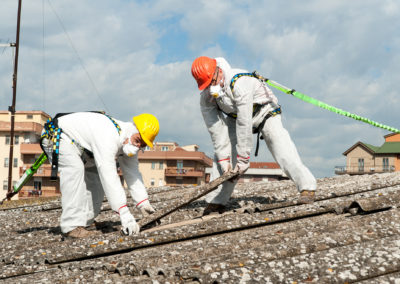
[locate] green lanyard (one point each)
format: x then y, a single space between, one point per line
322 104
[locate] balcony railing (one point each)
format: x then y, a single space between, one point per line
341 170
182 172
43 171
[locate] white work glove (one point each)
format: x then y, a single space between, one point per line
145 207
242 165
129 225
225 165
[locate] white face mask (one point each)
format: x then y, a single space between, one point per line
129 149
216 91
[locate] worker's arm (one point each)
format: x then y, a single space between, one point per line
216 125
133 178
104 156
243 94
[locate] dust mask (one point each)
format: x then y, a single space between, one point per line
216 91
129 149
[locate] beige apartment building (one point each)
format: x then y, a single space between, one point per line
28 126
363 158
168 164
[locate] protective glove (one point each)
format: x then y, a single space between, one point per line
242 165
225 165
129 225
145 207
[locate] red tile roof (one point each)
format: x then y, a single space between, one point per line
264 165
176 155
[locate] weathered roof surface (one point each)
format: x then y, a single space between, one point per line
350 234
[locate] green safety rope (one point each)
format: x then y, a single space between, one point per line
322 104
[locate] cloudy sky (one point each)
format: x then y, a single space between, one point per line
129 57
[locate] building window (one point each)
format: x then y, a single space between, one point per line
15 163
153 165
160 165
152 182
37 185
5 184
179 164
29 116
164 148
361 165
385 164
8 140
160 182
6 162
147 148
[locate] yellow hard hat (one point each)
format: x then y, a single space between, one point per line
148 127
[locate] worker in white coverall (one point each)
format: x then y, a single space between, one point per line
230 112
90 145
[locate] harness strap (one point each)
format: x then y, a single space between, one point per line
53 133
274 112
261 126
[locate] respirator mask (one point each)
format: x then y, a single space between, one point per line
129 149
216 91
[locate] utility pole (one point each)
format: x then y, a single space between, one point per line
11 108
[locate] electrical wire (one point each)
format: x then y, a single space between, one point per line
77 54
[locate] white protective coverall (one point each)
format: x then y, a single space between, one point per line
83 184
233 137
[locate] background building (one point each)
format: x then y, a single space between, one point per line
172 165
167 164
262 171
363 158
28 126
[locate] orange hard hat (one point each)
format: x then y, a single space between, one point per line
203 69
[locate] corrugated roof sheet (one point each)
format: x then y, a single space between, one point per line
350 234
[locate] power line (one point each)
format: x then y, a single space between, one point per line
77 54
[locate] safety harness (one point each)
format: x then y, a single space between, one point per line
256 107
53 133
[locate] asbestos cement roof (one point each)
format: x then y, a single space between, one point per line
350 234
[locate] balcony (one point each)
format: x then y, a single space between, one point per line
342 170
43 171
183 172
30 148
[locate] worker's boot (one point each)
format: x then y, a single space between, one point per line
93 227
213 208
306 197
80 232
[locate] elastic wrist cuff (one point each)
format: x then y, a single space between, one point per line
141 202
123 206
243 158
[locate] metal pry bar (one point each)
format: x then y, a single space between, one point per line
190 196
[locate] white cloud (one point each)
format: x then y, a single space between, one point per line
344 53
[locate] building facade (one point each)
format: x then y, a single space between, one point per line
263 171
168 164
363 158
28 127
